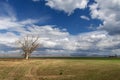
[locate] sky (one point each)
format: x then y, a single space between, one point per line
65 27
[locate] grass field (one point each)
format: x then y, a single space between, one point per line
60 69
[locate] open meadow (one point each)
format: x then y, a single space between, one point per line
60 69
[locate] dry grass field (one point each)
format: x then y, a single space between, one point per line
59 69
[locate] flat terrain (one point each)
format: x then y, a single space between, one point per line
60 69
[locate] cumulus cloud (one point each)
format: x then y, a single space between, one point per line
68 6
96 42
55 41
85 17
108 12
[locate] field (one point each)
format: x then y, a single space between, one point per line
60 69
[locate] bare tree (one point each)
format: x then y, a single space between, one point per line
28 44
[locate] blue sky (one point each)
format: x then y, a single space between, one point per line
74 27
26 9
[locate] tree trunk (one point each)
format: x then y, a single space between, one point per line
26 56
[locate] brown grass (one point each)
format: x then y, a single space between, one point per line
59 69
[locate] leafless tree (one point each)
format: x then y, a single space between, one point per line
28 44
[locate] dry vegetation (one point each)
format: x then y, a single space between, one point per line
59 69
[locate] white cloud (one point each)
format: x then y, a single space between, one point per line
8 37
108 12
6 23
55 41
35 0
8 19
68 6
82 43
29 21
109 42
85 17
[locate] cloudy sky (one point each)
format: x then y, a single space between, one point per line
66 27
